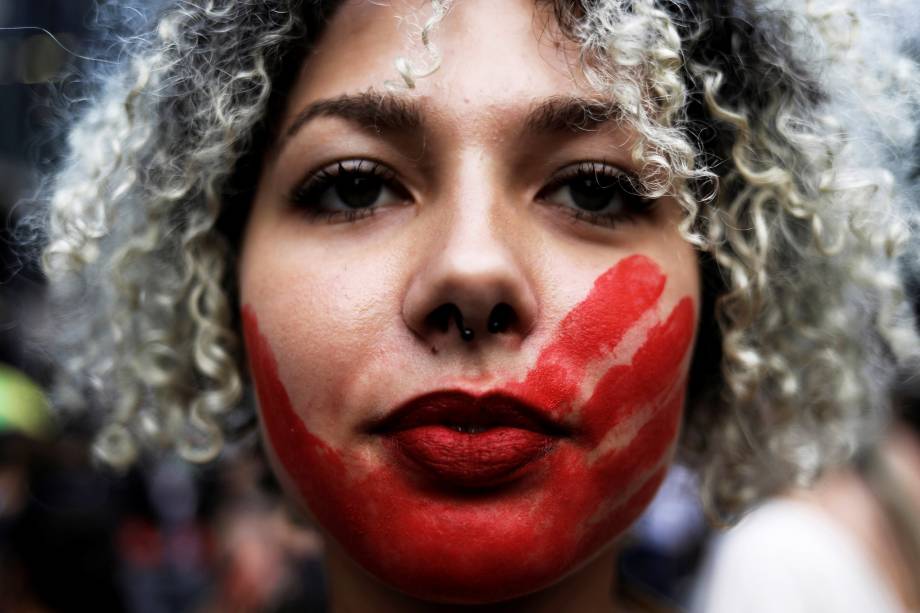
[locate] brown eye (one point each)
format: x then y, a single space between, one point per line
358 192
350 189
596 192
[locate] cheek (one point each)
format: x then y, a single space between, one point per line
614 370
322 356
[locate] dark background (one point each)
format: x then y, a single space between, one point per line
32 74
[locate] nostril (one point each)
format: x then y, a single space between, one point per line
501 318
440 317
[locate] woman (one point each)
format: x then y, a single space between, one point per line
469 286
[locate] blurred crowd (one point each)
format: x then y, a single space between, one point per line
164 538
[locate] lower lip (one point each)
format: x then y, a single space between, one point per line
471 460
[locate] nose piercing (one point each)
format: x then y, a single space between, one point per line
465 333
499 319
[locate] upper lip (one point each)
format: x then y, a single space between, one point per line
458 408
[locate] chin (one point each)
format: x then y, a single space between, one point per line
438 544
490 560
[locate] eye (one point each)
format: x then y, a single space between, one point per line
349 190
596 192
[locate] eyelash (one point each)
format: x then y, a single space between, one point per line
307 194
635 204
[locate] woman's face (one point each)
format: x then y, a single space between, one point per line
451 469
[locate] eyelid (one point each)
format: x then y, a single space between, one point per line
598 167
346 166
306 195
635 204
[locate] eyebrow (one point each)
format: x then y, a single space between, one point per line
374 110
380 112
571 114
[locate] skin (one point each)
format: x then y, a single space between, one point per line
338 332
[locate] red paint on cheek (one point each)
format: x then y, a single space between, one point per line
524 536
619 298
309 462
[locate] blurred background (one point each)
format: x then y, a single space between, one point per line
166 537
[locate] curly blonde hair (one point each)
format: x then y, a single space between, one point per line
769 120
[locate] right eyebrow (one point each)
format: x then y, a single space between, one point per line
377 111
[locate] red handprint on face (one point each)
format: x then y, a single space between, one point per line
615 372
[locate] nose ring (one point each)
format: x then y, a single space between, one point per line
465 333
496 324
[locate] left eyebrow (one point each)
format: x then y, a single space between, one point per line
571 114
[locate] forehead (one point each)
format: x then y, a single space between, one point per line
493 55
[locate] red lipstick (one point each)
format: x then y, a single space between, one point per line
466 441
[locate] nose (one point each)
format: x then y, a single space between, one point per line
472 285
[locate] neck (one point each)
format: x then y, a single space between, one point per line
590 589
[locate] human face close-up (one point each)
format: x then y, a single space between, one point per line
386 222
